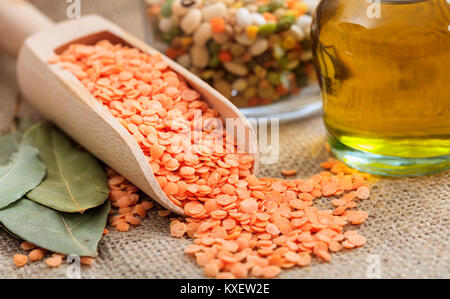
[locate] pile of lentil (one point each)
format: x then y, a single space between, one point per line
241 225
253 52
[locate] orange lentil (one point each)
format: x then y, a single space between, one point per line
324 255
211 269
289 172
147 205
20 260
270 271
164 213
239 270
348 245
140 210
87 261
123 227
36 254
362 192
241 225
27 246
132 220
225 275
304 260
178 230
357 240
54 261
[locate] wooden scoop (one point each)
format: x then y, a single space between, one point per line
62 99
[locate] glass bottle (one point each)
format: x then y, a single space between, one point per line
384 72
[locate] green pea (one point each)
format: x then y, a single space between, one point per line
214 61
237 50
274 5
302 80
253 80
278 51
175 31
229 77
284 80
263 9
249 93
273 78
283 63
285 22
167 38
267 29
166 8
206 75
260 71
251 64
267 93
292 64
214 47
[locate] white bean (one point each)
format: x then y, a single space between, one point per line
220 38
259 47
304 21
180 10
165 24
243 39
218 9
312 4
240 84
243 17
203 34
199 56
235 68
153 2
184 60
191 21
297 32
258 19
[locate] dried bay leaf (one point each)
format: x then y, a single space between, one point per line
9 144
75 180
68 233
23 173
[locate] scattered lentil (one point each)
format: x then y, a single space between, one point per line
20 260
54 261
36 254
27 246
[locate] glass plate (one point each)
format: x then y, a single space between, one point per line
305 104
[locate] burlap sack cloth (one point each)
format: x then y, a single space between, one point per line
407 231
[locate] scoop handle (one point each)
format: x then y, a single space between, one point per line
18 20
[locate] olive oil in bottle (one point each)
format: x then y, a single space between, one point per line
384 71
